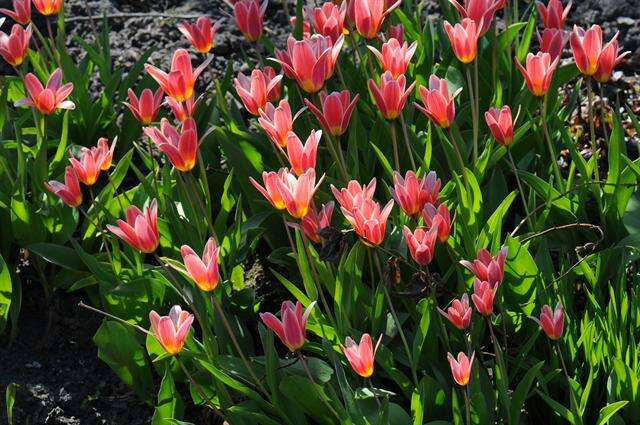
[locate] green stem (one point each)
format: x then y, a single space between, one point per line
394 143
552 151
405 133
474 113
463 169
574 400
603 115
195 384
467 404
520 189
592 129
315 386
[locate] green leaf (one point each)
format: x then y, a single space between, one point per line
609 410
10 399
521 393
5 293
170 405
58 254
559 409
313 403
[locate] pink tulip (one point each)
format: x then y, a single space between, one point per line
589 54
461 368
483 296
182 111
395 57
292 328
257 90
104 152
464 39
354 193
203 271
284 191
140 231
306 26
171 331
539 72
303 157
180 81
200 34
369 15
552 41
48 7
459 314
487 268
314 221
479 11
391 95
277 122
439 105
397 32
271 190
15 46
180 147
89 167
21 12
412 193
439 218
249 16
69 191
328 20
337 108
368 220
147 106
421 244
361 356
552 321
553 15
47 99
608 60
500 124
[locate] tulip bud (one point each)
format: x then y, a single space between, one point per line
391 95
361 356
69 192
337 108
421 244
249 16
440 218
292 327
140 231
461 368
483 296
552 321
553 15
464 39
500 124
459 314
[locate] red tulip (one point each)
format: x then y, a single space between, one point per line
284 191
553 15
69 191
464 39
480 11
270 76
337 108
14 47
104 153
277 122
461 368
354 193
303 157
182 111
395 57
249 16
180 147
171 331
200 34
539 72
552 321
609 58
21 12
47 99
257 90
486 268
552 41
313 222
439 218
397 32
271 191
328 20
292 328
203 271
180 81
459 314
483 296
421 244
500 123
439 105
391 95
48 7
412 193
146 107
140 231
361 356
589 54
89 167
368 220
369 15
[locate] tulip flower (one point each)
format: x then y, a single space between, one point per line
292 328
69 191
328 20
459 314
368 220
200 34
395 57
609 58
203 271
361 356
439 218
180 81
539 72
277 122
273 80
47 99
303 157
354 193
337 108
314 221
397 32
140 231
284 191
589 54
145 108
439 105
391 95
14 47
257 90
464 39
271 191
487 268
180 147
551 321
479 11
500 123
461 368
89 167
412 193
21 12
483 296
182 111
48 7
310 61
171 331
552 41
249 16
369 15
421 244
553 15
